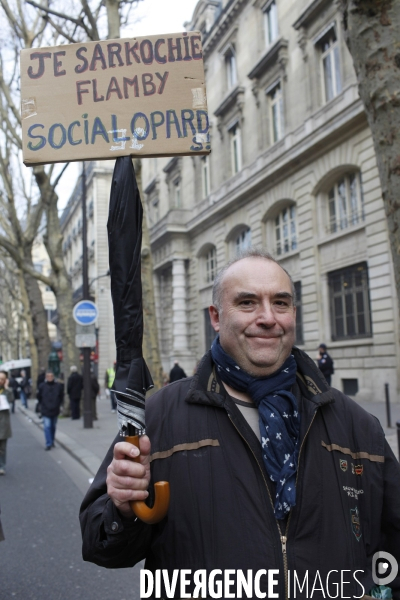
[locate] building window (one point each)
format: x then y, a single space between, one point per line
243 241
271 23
154 211
211 265
345 203
275 100
285 230
330 64
209 333
205 175
299 314
236 150
350 306
177 193
231 70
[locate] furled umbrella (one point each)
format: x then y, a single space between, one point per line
132 377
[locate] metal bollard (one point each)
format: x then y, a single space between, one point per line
388 417
398 436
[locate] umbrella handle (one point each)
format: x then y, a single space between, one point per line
161 491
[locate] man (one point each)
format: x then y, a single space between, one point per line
50 396
94 392
6 402
325 363
176 373
270 470
108 382
74 390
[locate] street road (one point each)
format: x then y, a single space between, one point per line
41 557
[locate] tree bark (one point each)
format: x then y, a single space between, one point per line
25 300
38 316
372 35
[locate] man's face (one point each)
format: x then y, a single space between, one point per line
49 377
257 319
3 380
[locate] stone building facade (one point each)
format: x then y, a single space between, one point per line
292 169
98 185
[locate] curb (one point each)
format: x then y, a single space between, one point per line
87 459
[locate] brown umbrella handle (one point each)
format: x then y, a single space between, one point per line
161 491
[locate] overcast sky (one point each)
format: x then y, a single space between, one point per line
151 17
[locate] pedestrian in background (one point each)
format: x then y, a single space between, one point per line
74 390
94 391
108 382
41 377
50 396
325 363
6 401
13 385
176 373
24 389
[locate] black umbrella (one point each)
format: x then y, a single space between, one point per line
132 377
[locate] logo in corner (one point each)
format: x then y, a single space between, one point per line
355 523
381 574
343 464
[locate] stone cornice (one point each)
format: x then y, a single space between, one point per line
229 101
310 13
220 27
269 57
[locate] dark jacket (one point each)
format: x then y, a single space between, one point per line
75 385
50 396
176 373
325 364
221 514
95 388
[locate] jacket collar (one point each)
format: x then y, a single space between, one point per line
206 387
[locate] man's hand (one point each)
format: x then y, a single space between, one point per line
128 480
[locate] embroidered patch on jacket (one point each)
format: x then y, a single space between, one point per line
357 469
355 523
343 464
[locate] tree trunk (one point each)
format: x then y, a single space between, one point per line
372 35
150 338
38 313
113 20
30 329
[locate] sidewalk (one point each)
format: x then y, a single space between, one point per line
89 446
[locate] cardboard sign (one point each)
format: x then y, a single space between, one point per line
143 96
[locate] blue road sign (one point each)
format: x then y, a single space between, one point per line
85 312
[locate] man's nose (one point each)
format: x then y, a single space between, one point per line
265 315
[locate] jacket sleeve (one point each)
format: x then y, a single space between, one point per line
391 513
109 540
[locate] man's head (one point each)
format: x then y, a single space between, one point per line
3 379
73 369
254 312
322 348
49 376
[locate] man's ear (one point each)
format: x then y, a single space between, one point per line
214 317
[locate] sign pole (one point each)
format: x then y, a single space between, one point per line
87 384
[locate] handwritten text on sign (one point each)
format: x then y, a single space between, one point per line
141 96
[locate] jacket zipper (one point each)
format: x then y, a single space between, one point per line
283 538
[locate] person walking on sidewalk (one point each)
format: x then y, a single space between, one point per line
50 396
6 401
94 390
176 373
325 363
74 389
24 389
108 382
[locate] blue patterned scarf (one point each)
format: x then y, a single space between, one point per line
279 420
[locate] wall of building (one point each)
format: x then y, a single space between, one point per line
318 148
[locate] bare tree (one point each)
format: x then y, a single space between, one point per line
372 35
